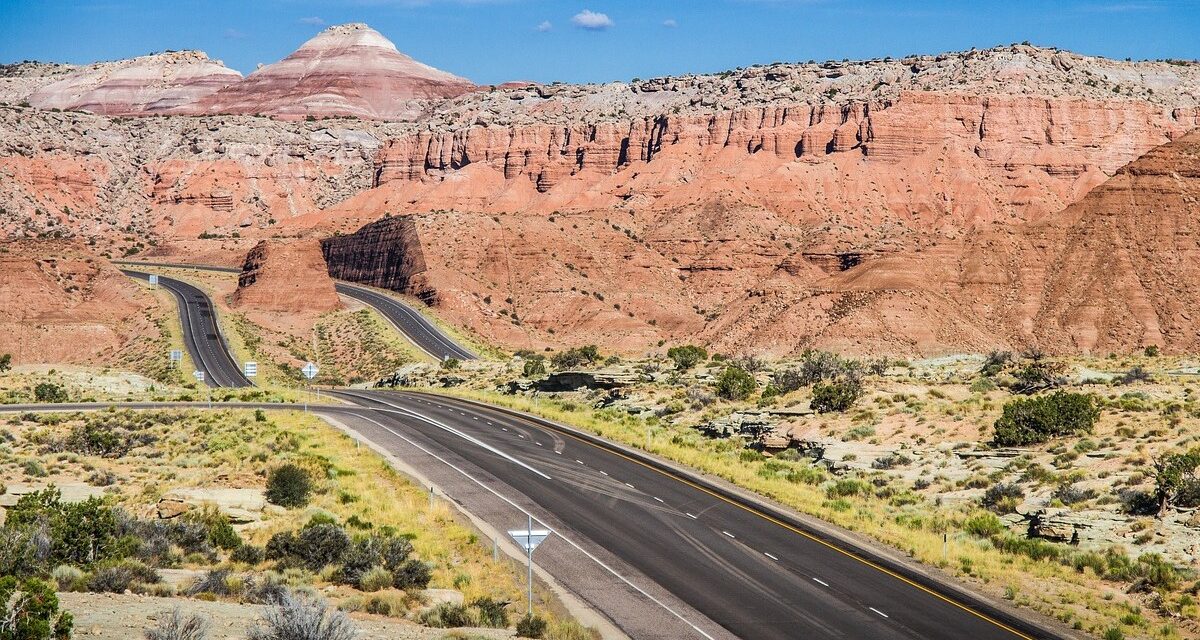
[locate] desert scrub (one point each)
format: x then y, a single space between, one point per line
356 488
856 505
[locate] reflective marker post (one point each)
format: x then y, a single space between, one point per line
529 539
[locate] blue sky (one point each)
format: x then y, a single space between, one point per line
493 41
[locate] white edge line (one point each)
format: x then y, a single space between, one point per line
469 438
729 534
820 582
564 538
767 554
878 611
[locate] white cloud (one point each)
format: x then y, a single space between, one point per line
544 26
670 23
234 34
314 21
591 20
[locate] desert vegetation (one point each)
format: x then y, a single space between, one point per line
237 509
1063 484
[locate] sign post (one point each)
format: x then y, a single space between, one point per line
529 539
175 357
199 376
310 371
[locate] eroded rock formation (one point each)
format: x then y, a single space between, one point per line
286 276
62 304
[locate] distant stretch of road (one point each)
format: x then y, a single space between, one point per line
662 552
408 321
415 326
201 333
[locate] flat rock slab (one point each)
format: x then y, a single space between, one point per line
71 492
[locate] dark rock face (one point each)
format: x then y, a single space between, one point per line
385 254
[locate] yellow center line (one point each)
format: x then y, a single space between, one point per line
780 523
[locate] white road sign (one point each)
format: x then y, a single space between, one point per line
309 370
250 369
198 375
529 539
176 355
153 280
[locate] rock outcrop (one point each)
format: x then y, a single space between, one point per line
61 304
286 276
153 84
346 70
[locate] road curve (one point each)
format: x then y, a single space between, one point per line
201 333
754 572
738 568
408 321
416 327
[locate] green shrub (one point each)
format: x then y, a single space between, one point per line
687 356
413 574
49 392
491 613
447 615
247 553
1003 497
848 487
1027 421
531 627
375 578
177 626
835 397
289 485
121 576
535 366
30 611
68 578
577 357
1175 479
735 383
80 533
984 525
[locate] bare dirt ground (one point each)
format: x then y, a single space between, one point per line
115 616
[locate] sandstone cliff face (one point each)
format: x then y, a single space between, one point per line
287 276
118 182
346 70
63 305
929 161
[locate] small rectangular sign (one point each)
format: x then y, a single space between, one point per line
176 355
153 280
198 375
250 369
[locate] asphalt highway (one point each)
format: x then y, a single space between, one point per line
201 333
407 320
416 327
739 568
750 571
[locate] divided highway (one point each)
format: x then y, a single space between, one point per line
408 321
201 333
416 327
755 573
723 564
